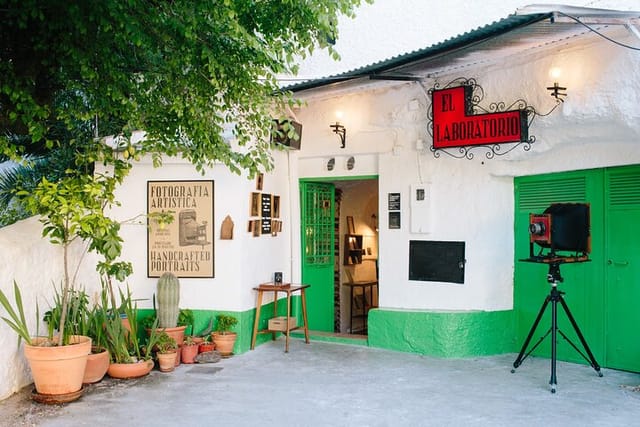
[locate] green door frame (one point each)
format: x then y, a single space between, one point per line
320 298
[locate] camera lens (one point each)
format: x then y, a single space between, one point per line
537 228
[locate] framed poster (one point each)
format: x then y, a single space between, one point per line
185 246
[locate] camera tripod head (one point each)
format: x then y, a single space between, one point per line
553 276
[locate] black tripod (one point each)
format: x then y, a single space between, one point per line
555 296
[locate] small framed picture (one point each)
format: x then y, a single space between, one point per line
275 206
259 181
394 220
255 204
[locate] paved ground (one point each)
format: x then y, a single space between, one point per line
325 384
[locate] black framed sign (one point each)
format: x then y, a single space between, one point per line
394 201
183 247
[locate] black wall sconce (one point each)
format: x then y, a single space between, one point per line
557 91
341 131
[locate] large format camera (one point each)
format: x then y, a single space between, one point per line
563 230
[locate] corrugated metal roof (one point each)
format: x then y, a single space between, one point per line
531 28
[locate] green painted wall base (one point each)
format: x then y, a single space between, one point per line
432 333
443 334
244 328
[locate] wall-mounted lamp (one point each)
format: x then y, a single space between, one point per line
341 131
556 89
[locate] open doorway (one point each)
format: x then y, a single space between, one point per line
355 254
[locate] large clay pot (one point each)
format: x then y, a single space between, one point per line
58 369
224 342
167 361
130 370
97 365
189 353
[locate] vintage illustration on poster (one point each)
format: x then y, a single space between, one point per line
185 246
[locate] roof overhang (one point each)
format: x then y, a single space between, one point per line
531 30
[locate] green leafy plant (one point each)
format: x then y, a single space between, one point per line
165 344
224 323
16 320
77 322
124 345
186 318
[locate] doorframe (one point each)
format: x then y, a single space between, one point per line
333 180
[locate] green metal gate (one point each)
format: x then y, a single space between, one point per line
602 294
317 236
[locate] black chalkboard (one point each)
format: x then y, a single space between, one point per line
433 261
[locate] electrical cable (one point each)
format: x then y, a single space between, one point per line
598 33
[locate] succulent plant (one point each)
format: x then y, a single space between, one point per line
168 294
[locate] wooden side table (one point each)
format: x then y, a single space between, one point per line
361 313
287 288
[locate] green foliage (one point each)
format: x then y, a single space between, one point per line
16 319
77 320
225 322
166 344
124 345
184 71
186 317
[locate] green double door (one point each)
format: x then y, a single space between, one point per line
603 294
318 256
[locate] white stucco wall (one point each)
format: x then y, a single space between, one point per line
472 200
240 264
37 267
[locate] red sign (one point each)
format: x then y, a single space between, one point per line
455 125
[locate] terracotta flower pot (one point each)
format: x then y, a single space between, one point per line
189 353
58 369
178 355
206 346
176 333
97 365
130 370
224 342
167 361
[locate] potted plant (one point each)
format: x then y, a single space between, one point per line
70 209
207 344
57 370
223 337
129 357
168 311
86 321
189 350
166 349
99 359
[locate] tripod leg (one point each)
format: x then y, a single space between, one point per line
591 359
554 333
522 355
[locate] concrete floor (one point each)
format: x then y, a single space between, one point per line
326 384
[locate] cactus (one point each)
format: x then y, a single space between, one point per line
168 300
